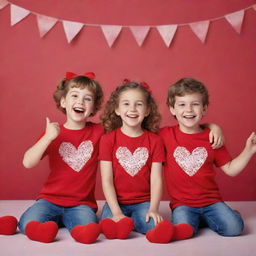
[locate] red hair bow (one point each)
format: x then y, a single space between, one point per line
70 75
142 84
145 86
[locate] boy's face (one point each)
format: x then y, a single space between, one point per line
189 111
79 104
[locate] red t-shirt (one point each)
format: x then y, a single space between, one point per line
131 159
189 171
73 160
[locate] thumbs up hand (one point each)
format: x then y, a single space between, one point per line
52 129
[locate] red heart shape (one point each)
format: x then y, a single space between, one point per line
162 233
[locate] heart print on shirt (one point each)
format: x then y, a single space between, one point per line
190 162
132 163
76 158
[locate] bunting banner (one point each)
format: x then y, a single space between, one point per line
111 32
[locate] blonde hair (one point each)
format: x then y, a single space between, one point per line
112 121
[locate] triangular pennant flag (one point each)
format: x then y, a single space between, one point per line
167 32
236 20
200 28
45 24
111 33
18 14
71 29
3 3
140 33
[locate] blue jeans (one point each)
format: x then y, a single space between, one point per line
70 217
137 212
219 217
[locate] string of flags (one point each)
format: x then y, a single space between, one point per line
111 32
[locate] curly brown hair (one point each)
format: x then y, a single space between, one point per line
79 82
187 86
112 121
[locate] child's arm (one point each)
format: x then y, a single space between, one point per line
109 189
235 166
156 189
33 155
216 136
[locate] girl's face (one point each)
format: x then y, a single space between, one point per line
79 105
132 108
189 111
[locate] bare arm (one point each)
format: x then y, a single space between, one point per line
235 166
109 189
156 188
216 136
33 155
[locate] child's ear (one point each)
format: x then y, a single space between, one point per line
117 112
205 109
63 102
172 111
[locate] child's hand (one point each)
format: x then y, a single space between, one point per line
216 137
52 129
118 217
155 215
251 143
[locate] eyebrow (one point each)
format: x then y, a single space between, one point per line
77 91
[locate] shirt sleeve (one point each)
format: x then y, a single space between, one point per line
106 147
221 156
158 152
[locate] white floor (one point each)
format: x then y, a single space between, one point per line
206 243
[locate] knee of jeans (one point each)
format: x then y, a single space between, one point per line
234 228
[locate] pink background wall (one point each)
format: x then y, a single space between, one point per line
31 68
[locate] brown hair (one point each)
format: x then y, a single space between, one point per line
79 82
112 121
187 86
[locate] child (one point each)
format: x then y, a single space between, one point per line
67 196
131 159
189 172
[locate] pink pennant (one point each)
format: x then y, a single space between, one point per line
71 29
140 33
167 33
111 33
236 19
18 14
200 28
45 24
3 3
254 7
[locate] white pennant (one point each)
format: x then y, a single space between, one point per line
111 33
140 33
200 28
3 3
71 29
236 19
18 14
167 33
45 24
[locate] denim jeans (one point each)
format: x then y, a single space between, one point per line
70 217
137 212
219 217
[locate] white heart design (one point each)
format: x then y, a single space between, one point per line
132 163
190 163
76 158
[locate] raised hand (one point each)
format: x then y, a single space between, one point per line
52 129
